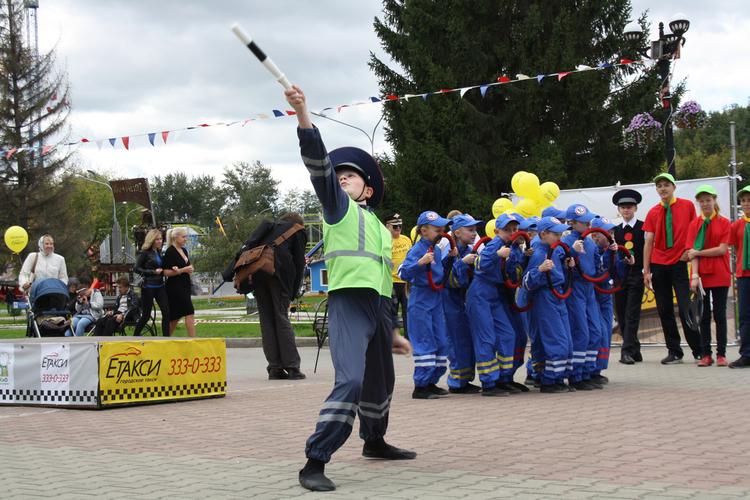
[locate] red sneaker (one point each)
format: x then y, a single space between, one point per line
706 361
721 361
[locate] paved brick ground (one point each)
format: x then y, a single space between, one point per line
654 432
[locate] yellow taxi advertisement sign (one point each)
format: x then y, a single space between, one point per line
160 370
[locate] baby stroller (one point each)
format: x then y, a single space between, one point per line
46 315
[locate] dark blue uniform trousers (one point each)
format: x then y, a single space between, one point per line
458 336
361 337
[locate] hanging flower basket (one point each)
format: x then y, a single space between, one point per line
642 131
691 116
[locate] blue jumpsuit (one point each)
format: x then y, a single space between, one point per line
535 363
457 331
605 304
548 317
360 332
583 311
425 315
491 328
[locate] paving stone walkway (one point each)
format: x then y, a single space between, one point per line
654 432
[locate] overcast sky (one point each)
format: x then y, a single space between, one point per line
142 66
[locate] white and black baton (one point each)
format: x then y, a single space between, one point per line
262 57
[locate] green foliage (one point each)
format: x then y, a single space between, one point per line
707 152
197 200
249 188
218 249
33 108
453 152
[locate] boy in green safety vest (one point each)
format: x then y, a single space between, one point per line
349 184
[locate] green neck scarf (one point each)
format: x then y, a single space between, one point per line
700 238
668 225
746 246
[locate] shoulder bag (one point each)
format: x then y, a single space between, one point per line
255 266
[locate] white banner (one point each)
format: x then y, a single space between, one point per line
6 373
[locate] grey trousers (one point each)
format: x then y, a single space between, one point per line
278 335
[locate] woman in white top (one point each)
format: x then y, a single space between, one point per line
48 264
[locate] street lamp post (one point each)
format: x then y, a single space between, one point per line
370 138
114 206
662 51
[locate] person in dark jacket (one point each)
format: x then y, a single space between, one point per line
275 295
149 265
127 304
73 285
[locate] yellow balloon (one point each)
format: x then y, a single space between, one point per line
510 211
526 207
489 229
500 206
16 238
539 211
514 181
528 186
548 191
414 237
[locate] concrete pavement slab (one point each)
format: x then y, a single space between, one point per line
654 432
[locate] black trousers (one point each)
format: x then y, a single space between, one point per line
664 279
399 298
628 305
279 343
719 295
106 325
147 302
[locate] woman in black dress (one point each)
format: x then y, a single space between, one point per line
178 269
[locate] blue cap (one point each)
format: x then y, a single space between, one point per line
504 219
603 223
579 213
463 221
432 219
553 211
551 224
529 223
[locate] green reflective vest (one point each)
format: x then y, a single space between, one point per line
358 252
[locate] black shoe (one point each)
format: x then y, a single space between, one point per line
554 389
595 385
529 381
538 383
295 374
627 360
570 388
317 481
508 387
522 387
637 357
467 389
672 360
742 362
386 452
581 385
493 391
277 375
423 393
600 379
436 390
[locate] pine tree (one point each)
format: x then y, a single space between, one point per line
33 109
453 152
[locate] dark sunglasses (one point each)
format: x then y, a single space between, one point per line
396 226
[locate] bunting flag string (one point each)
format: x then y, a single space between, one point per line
129 140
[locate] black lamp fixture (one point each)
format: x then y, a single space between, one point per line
662 51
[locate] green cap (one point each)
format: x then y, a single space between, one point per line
745 189
664 176
705 189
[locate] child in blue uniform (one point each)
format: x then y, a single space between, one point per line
583 310
458 333
548 318
425 310
606 314
349 184
535 363
491 328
